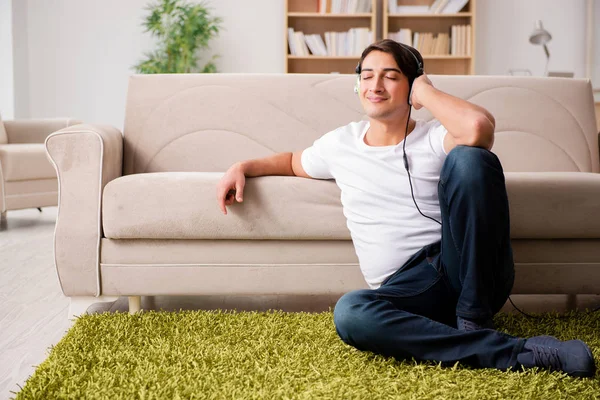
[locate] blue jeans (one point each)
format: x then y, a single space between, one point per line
469 273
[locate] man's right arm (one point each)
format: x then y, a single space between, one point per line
231 186
279 164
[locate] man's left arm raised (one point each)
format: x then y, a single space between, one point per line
467 124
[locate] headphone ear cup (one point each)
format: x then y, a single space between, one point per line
357 85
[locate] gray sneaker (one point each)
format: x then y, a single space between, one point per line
572 356
474 325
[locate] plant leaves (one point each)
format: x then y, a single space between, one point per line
182 29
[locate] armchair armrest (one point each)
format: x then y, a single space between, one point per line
34 130
86 157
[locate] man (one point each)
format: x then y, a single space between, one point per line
430 225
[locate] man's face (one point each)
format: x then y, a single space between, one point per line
383 87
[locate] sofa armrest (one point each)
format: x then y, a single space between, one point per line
86 157
34 130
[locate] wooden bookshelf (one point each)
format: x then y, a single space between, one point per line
303 15
435 23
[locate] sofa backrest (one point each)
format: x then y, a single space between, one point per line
207 122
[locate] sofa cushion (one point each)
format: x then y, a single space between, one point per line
554 205
25 161
182 205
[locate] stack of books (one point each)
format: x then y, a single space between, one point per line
457 42
350 43
343 6
436 7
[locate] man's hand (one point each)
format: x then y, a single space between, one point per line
231 187
417 86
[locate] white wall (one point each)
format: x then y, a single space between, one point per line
81 52
7 104
503 29
73 57
21 59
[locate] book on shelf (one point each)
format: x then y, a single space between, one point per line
301 44
297 43
468 41
454 6
454 36
322 6
314 46
461 40
291 41
343 6
447 6
394 8
458 35
402 36
437 6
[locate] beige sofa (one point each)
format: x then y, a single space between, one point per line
138 213
27 178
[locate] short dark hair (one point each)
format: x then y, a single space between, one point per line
405 61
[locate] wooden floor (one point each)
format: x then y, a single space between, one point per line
33 310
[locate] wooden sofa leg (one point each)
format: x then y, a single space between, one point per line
135 304
3 216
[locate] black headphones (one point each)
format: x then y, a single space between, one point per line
419 73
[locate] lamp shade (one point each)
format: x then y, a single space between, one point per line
539 34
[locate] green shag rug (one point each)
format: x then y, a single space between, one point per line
279 355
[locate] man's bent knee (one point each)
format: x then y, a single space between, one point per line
349 316
468 156
470 164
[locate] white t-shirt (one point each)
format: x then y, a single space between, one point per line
384 224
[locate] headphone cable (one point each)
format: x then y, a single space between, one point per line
408 169
539 317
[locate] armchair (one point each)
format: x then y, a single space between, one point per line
27 178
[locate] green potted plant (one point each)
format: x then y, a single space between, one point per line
182 29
